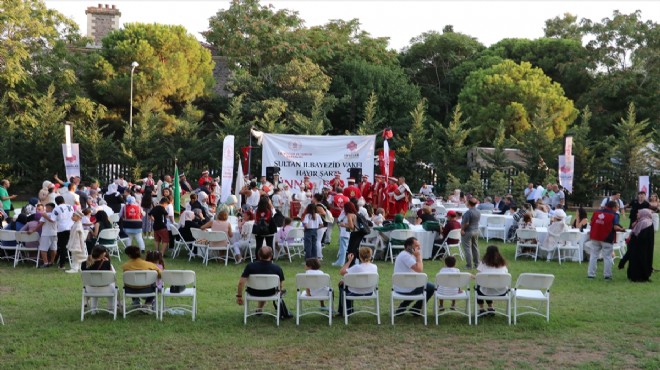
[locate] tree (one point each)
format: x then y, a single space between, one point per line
474 185
430 61
371 121
452 139
566 27
453 182
174 69
629 143
498 184
498 158
413 147
518 183
512 92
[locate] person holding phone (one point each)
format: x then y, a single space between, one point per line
410 260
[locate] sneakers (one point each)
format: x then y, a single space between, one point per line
72 271
608 278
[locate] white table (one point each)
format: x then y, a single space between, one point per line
424 237
483 222
542 235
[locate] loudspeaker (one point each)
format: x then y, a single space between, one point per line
270 171
355 173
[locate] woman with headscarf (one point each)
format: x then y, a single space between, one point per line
640 248
188 221
555 229
131 215
229 206
113 199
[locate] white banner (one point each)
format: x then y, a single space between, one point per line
227 166
239 184
71 160
318 157
568 146
566 172
644 185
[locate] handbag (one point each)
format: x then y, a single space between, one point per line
177 288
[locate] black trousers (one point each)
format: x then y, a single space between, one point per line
62 241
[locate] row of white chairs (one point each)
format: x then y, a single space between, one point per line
186 278
14 246
529 287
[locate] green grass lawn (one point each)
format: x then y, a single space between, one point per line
594 324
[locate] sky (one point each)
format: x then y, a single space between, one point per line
399 20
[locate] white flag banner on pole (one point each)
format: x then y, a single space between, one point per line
318 157
386 158
227 166
239 184
71 156
644 185
566 172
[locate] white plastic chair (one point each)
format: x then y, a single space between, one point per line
22 251
569 241
180 242
400 236
92 278
619 247
532 287
215 237
371 240
568 219
527 239
493 281
537 222
262 282
459 280
143 278
446 247
294 247
362 281
495 228
409 280
200 242
185 278
114 218
313 282
110 234
6 237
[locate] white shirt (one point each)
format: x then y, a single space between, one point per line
71 198
253 199
312 223
277 201
492 270
320 291
49 228
446 290
63 214
343 233
427 190
403 264
362 268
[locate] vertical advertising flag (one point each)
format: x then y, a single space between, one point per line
566 172
71 155
644 185
227 166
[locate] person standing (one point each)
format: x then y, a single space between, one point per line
76 244
367 190
530 193
5 197
604 225
640 248
312 222
470 234
636 205
63 217
402 196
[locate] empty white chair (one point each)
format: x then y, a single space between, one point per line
410 280
453 286
361 281
527 244
179 242
114 218
319 287
293 243
217 237
536 288
23 251
144 278
569 241
446 247
493 281
113 248
371 240
262 282
619 246
200 242
99 284
186 280
8 237
396 237
537 222
495 228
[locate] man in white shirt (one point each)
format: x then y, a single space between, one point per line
410 260
426 190
616 196
63 213
530 194
70 197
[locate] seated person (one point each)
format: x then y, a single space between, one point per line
410 260
452 224
365 266
554 230
136 263
263 265
492 263
426 216
398 224
581 221
486 205
99 260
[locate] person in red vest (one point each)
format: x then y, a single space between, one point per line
367 190
337 184
390 205
352 191
604 225
131 215
337 205
205 178
402 196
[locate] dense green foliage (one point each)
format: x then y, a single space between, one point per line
331 79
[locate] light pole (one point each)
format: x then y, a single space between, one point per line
130 118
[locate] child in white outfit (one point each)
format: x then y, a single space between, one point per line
313 266
450 267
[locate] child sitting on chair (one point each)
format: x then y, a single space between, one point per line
313 267
450 267
282 235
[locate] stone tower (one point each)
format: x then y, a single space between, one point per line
101 21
